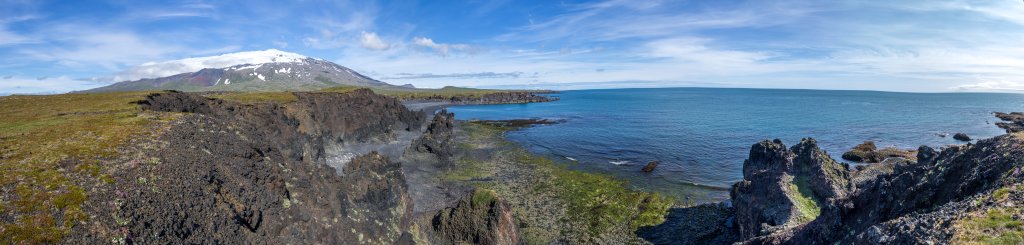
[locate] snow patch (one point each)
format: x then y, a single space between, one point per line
260 76
167 68
227 81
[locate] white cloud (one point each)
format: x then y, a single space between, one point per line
50 85
370 40
442 49
1004 86
111 49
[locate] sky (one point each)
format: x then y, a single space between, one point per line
907 45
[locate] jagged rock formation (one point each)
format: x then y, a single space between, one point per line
480 217
437 139
783 188
243 174
898 201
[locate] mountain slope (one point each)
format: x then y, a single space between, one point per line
268 70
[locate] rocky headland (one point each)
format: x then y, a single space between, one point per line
1012 122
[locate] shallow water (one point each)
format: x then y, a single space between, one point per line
702 135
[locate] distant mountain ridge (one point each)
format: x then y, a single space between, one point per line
268 70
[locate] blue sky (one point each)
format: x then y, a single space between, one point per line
920 46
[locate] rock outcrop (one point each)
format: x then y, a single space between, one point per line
895 202
480 217
503 97
867 152
1012 122
243 174
782 189
438 138
961 137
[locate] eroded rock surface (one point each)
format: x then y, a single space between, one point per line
229 173
480 217
895 202
785 188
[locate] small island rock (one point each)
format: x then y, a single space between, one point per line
650 166
961 137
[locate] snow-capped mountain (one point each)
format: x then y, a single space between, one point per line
268 70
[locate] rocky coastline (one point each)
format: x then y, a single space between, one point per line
362 168
799 195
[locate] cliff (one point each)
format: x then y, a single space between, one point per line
233 173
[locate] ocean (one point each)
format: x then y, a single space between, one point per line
702 135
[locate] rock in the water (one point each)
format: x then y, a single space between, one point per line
480 217
650 166
961 137
867 152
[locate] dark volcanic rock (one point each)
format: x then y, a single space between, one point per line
867 152
228 173
1012 122
519 122
480 217
503 97
907 203
650 167
779 182
961 137
438 139
701 224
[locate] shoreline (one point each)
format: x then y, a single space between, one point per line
543 195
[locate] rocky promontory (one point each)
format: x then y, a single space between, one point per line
799 195
1012 122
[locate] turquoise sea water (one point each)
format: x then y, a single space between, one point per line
702 135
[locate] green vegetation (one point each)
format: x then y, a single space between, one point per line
256 97
595 203
804 200
465 169
601 201
483 197
996 225
46 144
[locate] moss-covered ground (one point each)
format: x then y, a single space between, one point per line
1002 223
552 201
48 145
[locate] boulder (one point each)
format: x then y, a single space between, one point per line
961 137
650 166
867 152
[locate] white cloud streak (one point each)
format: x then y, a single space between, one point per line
370 40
